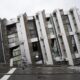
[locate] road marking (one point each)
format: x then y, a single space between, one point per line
6 77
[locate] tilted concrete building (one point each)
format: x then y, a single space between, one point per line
48 39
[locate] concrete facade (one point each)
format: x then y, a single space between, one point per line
43 38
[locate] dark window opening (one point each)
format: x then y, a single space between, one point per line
37 17
11 29
74 45
48 19
37 55
32 28
54 14
35 47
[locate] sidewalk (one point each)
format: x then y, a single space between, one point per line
45 73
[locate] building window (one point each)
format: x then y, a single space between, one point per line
33 33
66 23
35 47
50 31
55 49
74 45
74 21
32 28
63 46
13 39
11 29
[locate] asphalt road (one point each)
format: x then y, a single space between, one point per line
45 73
3 70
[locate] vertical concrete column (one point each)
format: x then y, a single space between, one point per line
74 31
43 25
64 37
22 34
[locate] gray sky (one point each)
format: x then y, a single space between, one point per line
12 8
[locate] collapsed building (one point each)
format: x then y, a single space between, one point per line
48 39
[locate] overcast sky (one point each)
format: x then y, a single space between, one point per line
12 8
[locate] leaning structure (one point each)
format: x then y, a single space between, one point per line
48 39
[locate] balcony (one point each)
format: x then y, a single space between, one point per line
13 40
11 45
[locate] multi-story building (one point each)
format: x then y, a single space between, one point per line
41 39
